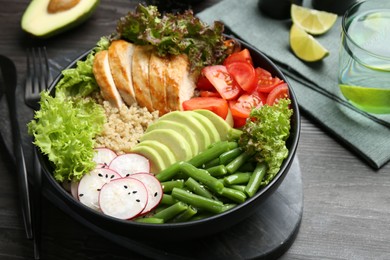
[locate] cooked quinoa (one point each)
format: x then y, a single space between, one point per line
124 127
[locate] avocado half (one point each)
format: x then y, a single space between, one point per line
39 21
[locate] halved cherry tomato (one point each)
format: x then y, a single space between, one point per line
217 105
243 55
244 104
203 83
239 122
277 93
266 83
244 74
222 81
206 93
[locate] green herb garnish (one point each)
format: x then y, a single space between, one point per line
174 34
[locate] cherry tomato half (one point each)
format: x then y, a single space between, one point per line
244 104
277 93
217 105
207 93
243 56
203 83
244 74
266 83
222 81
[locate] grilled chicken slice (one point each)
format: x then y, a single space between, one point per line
140 76
180 83
157 82
120 57
103 76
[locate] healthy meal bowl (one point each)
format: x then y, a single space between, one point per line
143 140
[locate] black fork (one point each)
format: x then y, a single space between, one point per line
37 80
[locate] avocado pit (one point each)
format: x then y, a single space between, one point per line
56 6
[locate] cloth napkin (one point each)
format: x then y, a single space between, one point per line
315 84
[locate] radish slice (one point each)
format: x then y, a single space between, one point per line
130 163
104 156
123 198
90 185
153 186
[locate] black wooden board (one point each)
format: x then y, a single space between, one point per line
266 234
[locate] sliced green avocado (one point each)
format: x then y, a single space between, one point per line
226 132
180 129
201 134
164 151
43 22
214 135
176 143
157 163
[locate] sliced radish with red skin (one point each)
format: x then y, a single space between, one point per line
130 163
154 188
91 183
104 155
123 198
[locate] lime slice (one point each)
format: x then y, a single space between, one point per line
305 46
312 21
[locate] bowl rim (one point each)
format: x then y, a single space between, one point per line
264 192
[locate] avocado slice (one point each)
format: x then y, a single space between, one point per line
164 151
157 163
176 143
180 129
207 124
226 132
201 134
46 18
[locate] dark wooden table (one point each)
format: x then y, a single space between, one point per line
346 203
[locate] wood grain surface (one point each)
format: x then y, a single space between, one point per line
346 203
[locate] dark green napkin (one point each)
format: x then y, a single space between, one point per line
315 84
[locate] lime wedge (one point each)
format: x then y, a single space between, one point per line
305 46
312 21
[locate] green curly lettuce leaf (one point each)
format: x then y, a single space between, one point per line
64 129
80 81
266 134
174 34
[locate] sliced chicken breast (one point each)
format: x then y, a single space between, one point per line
180 84
140 76
157 82
120 57
103 76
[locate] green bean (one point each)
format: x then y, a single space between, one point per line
211 163
172 211
255 180
234 134
202 176
237 162
217 171
169 173
167 200
228 156
237 178
237 187
228 206
151 220
167 186
185 215
197 188
234 195
197 201
211 153
202 216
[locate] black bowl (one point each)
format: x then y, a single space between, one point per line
175 231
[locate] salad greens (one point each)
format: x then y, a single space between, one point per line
65 126
266 134
174 34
